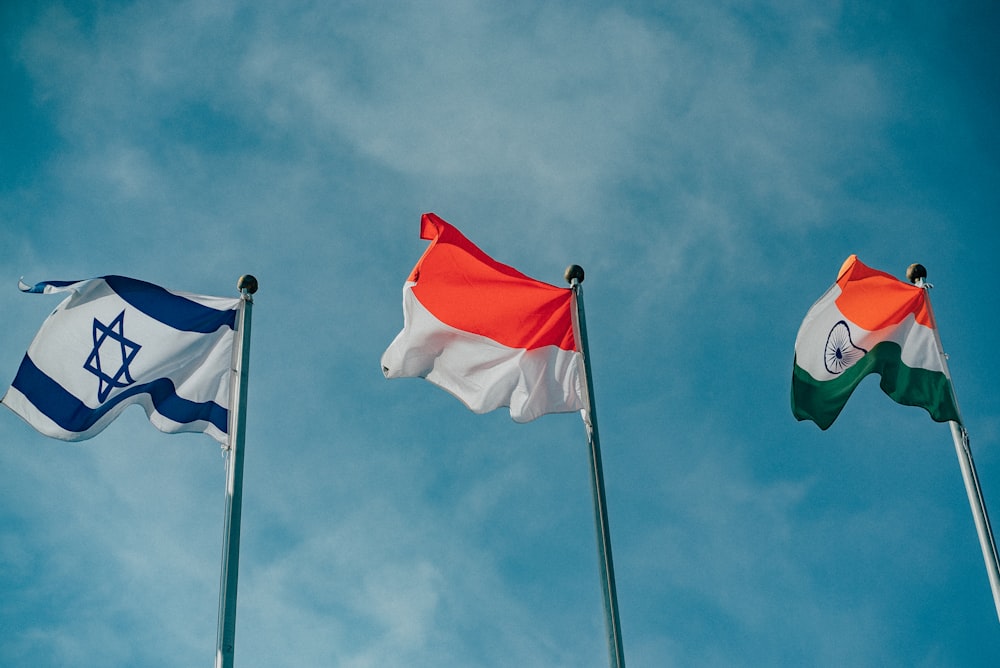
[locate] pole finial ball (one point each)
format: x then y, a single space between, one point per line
916 272
574 271
247 282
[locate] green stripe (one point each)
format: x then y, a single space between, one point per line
822 401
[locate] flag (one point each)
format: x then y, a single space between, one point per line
116 341
869 322
485 332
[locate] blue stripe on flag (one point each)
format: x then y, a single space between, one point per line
71 414
158 303
170 309
39 288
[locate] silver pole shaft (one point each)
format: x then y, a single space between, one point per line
226 638
978 505
612 622
969 476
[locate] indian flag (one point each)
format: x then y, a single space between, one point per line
485 332
869 322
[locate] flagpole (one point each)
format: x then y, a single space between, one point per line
226 638
917 274
612 624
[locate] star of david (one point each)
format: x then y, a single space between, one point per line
111 348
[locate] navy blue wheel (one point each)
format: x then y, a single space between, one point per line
840 352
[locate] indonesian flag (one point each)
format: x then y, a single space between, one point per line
869 322
485 332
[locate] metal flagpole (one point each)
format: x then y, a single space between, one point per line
226 638
917 274
574 275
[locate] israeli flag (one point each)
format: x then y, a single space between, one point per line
116 341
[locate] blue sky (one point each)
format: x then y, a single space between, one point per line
710 165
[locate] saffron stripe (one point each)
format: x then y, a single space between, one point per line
873 299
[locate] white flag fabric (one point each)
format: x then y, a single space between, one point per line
116 341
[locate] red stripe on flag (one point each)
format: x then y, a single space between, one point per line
467 289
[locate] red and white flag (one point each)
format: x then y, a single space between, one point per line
485 332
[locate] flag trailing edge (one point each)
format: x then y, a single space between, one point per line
869 322
116 341
485 332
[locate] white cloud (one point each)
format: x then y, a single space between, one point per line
695 160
